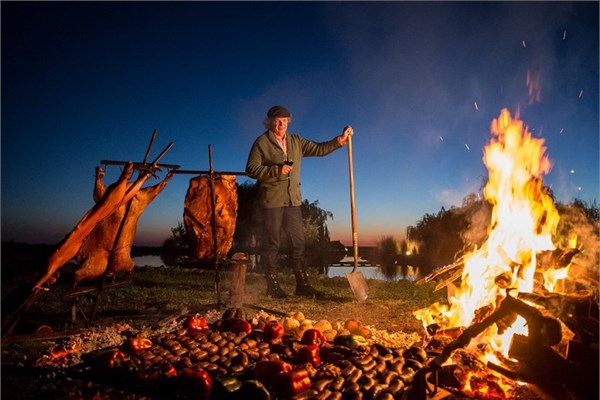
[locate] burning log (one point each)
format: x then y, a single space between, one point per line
108 247
198 216
442 271
544 331
538 362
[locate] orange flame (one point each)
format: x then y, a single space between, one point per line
524 219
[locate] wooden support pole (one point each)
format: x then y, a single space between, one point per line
239 264
213 204
205 172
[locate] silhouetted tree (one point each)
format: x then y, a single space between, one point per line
403 258
449 233
387 251
249 221
176 246
316 234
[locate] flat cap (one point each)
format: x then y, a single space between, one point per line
278 111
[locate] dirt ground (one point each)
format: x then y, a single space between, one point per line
29 371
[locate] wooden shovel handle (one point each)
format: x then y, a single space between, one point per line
352 204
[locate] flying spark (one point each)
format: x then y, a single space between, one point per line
579 188
581 93
561 130
467 146
565 35
441 138
524 45
572 171
476 106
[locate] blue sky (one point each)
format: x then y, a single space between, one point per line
420 82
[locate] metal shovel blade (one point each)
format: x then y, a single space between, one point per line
358 285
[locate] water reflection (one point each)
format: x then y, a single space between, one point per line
332 271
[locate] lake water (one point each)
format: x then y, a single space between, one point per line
148 261
336 270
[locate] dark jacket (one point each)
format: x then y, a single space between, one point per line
265 158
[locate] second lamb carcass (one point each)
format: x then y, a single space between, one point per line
109 245
120 258
198 214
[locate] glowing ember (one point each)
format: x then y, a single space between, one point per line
523 221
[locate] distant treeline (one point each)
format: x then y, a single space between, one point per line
21 250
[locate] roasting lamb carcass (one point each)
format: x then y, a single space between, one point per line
117 193
198 214
109 245
120 259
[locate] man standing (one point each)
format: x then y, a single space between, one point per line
275 160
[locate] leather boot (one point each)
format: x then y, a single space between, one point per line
303 287
273 288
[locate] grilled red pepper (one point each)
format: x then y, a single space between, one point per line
313 336
195 324
139 344
273 331
292 383
111 359
266 371
308 354
235 325
196 383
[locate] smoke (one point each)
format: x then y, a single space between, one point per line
584 265
478 217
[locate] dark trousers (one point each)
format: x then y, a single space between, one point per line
274 219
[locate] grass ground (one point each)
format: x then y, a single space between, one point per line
389 305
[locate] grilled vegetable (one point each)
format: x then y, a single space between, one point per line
235 325
291 383
313 336
109 358
253 389
195 324
273 331
196 383
265 371
308 354
225 386
139 344
350 341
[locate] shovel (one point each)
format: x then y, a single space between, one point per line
356 279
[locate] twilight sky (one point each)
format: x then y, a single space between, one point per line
420 82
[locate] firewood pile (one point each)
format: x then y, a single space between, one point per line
556 360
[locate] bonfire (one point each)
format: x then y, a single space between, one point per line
482 308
